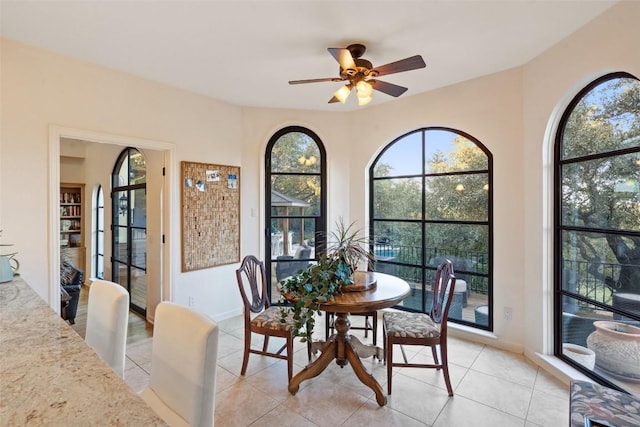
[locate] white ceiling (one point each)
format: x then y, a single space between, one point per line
245 52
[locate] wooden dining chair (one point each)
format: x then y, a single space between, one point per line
260 317
430 330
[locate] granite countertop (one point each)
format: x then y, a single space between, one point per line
49 376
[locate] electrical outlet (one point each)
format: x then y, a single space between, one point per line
508 313
192 301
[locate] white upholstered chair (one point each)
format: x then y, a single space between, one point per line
183 366
107 321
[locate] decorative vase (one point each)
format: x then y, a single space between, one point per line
7 270
580 354
617 348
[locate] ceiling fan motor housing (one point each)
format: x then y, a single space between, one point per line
356 50
363 67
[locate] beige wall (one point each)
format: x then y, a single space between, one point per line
41 89
489 108
512 113
609 43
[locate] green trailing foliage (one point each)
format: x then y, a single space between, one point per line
320 282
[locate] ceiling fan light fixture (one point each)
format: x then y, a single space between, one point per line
364 100
342 93
364 89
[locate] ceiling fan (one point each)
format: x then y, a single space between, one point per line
361 75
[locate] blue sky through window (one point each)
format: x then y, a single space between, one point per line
405 155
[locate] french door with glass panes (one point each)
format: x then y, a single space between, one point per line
129 227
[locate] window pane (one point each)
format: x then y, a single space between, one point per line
138 206
289 234
121 179
404 157
119 273
457 197
100 267
138 173
295 195
583 342
138 287
464 245
413 276
595 264
139 248
120 252
607 118
400 240
448 151
602 193
122 200
398 198
295 152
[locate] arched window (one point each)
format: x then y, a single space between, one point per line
597 228
296 202
430 199
129 219
99 234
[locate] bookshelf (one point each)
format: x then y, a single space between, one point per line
72 246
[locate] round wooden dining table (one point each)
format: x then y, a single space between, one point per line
383 291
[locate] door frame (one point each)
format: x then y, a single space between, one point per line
167 211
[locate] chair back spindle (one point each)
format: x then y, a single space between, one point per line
442 294
253 270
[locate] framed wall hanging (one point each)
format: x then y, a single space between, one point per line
210 215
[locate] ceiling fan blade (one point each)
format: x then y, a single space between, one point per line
406 64
333 99
344 58
388 88
327 79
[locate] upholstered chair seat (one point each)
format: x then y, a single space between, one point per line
411 325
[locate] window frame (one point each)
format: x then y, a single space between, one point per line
99 258
321 219
559 228
424 223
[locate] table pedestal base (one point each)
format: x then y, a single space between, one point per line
345 349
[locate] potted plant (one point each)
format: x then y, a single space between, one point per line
320 282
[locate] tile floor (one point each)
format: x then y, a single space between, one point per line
492 388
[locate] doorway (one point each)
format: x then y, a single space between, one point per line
158 243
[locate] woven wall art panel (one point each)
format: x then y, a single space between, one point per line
210 214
